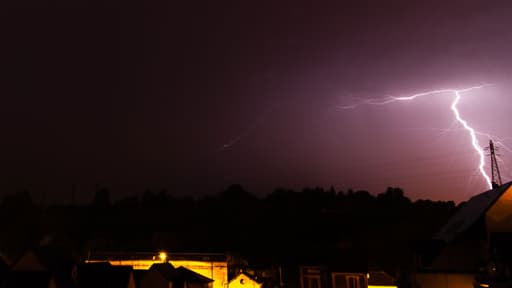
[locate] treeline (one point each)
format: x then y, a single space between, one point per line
284 226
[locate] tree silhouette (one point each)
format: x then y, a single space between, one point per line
286 226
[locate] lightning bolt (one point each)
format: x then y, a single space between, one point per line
457 96
474 140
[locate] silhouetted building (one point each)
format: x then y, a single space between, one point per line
186 278
42 267
165 275
324 277
473 248
159 275
209 265
313 277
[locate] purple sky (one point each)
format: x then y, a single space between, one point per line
194 97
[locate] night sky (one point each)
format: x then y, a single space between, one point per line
193 97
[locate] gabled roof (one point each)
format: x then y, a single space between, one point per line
45 258
52 261
239 275
165 269
29 262
183 274
470 212
180 274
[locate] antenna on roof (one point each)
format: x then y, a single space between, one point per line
496 176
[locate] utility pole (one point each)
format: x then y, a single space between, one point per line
496 176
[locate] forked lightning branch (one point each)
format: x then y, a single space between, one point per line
457 95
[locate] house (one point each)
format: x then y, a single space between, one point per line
41 267
349 280
186 278
28 271
210 265
159 275
473 248
332 277
244 280
29 261
164 275
313 277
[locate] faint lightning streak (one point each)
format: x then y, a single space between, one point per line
230 143
457 93
259 121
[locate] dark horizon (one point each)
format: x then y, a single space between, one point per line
77 195
85 195
264 231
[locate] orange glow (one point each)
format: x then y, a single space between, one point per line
381 286
445 280
136 264
163 256
215 270
484 285
497 216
